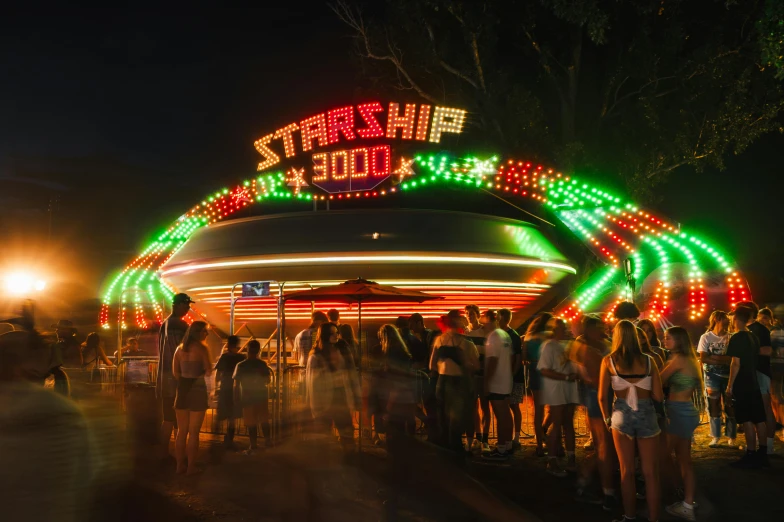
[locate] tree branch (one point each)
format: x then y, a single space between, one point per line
448 68
392 54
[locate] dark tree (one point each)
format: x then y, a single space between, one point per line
631 88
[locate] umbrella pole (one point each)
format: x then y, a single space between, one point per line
359 360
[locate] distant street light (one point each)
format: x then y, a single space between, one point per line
23 283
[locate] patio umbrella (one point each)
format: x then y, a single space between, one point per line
361 291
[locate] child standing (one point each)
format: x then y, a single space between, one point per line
251 378
224 388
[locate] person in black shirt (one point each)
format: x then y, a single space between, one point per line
763 368
420 345
224 387
518 374
251 378
744 390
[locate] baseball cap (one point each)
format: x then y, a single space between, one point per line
182 299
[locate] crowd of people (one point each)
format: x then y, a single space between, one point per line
641 389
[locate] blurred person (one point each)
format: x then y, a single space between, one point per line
743 388
333 315
251 380
346 333
132 349
498 383
170 337
332 386
535 335
649 328
224 388
589 350
647 349
190 365
419 341
455 359
48 461
777 373
66 347
472 314
632 377
401 323
303 342
763 367
712 349
518 374
684 377
559 392
765 317
91 353
478 336
626 310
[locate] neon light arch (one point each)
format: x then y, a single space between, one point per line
612 227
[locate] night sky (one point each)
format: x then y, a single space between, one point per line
132 116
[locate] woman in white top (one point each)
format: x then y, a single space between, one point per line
559 392
634 379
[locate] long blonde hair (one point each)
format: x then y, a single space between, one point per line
626 344
192 334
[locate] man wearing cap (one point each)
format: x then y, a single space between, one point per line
169 338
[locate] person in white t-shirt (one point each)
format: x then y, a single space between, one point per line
559 392
498 383
304 340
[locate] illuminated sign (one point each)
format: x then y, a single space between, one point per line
358 166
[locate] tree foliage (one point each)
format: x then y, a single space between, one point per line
633 88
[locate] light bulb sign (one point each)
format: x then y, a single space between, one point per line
366 160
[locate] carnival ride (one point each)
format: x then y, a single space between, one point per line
663 266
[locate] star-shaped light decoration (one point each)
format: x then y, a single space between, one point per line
404 169
296 178
240 195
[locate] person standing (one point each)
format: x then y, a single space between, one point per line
91 353
559 392
251 379
649 328
224 388
682 373
303 342
532 347
632 377
777 373
518 374
589 350
498 383
743 388
455 359
333 316
132 349
190 365
712 350
472 313
332 387
170 337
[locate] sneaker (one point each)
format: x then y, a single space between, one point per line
762 459
555 470
624 519
747 461
495 455
571 462
731 443
485 447
588 446
714 443
587 497
249 452
680 510
476 445
610 503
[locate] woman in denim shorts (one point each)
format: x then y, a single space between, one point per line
683 375
712 350
633 379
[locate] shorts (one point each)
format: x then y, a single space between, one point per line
591 402
764 383
682 418
191 394
715 382
167 410
252 414
518 393
534 377
747 400
640 424
497 396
